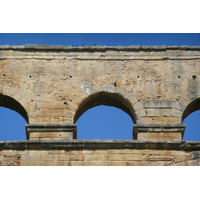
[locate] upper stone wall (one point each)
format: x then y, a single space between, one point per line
57 84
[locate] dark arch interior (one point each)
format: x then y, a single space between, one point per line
9 102
107 99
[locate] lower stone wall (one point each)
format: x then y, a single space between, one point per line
99 153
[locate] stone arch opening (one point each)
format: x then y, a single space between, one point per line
191 107
13 119
11 103
108 101
191 117
105 122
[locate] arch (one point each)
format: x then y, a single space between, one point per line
191 107
105 122
11 103
12 125
108 99
26 104
192 127
190 116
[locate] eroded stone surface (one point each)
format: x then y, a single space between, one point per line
155 85
100 152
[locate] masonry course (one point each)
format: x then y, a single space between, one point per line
52 86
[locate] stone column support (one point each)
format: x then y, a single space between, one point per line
50 131
158 131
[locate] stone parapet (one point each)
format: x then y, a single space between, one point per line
99 144
99 153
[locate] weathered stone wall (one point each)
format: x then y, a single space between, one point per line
100 152
52 86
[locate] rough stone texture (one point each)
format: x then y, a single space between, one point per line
100 152
50 131
159 132
55 85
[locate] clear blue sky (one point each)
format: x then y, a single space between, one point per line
108 39
93 124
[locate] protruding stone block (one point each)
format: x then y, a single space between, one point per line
158 131
50 131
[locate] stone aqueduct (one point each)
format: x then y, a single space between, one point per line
52 86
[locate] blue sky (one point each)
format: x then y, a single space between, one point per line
93 124
108 39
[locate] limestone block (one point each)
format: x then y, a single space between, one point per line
51 112
159 132
9 90
50 136
158 120
153 112
138 106
97 157
124 157
76 157
50 131
141 113
159 136
167 104
78 163
106 163
44 104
